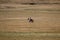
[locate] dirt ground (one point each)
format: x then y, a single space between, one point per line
46 18
13 18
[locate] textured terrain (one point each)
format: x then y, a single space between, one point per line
15 26
29 1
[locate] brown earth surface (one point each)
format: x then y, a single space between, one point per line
15 26
46 18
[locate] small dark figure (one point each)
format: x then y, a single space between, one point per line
32 3
30 20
